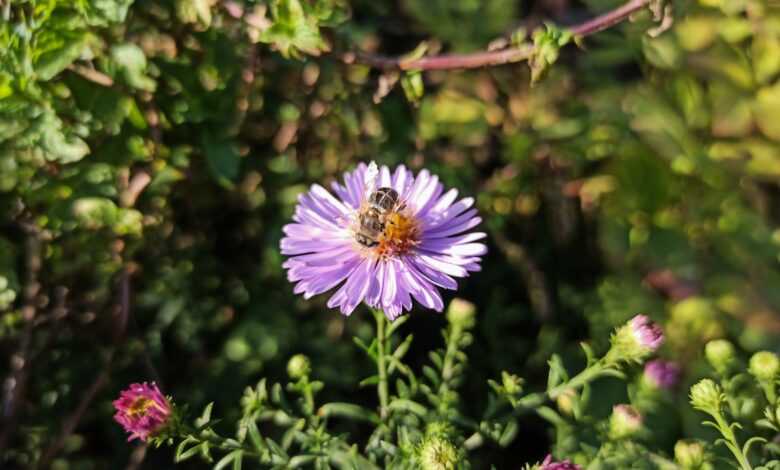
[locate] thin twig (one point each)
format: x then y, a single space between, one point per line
75 417
15 385
92 75
533 277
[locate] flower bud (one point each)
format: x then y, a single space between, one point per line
549 464
662 374
566 401
298 366
461 312
648 334
689 454
706 396
635 340
764 366
624 422
512 384
437 453
720 354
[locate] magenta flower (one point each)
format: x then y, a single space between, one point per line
384 238
548 464
142 410
648 334
662 374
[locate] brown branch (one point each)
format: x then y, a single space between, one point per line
92 75
491 58
75 417
16 384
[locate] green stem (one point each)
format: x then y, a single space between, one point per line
734 447
449 355
381 323
580 380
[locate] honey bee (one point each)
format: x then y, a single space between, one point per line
373 216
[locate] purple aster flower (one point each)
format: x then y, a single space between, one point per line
385 238
648 334
548 464
662 374
142 410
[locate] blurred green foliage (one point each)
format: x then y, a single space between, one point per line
165 143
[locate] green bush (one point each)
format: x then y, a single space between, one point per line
152 151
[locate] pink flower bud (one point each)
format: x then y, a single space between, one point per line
548 464
662 374
648 334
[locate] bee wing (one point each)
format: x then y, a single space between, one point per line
372 173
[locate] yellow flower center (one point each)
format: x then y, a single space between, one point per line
139 407
400 235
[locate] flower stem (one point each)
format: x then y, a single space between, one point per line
381 323
588 375
732 444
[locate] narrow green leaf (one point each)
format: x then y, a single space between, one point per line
406 405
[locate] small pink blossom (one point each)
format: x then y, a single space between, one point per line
662 374
548 464
142 410
648 334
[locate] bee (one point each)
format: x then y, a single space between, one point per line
373 216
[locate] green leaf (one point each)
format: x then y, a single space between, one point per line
223 160
348 410
412 84
131 63
557 374
194 12
182 453
301 460
234 457
373 380
205 416
53 62
765 111
405 405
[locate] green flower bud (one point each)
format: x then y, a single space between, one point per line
438 429
624 422
436 453
720 354
706 396
298 366
764 366
565 401
689 454
461 312
511 383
